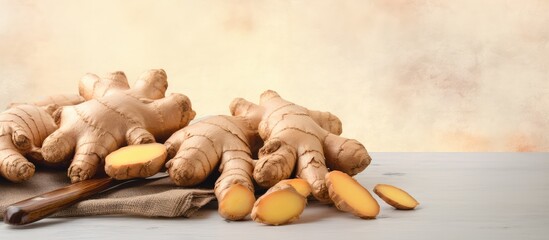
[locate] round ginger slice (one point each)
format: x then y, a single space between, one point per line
349 196
396 197
282 204
136 161
237 203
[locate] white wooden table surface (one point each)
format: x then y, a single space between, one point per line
462 195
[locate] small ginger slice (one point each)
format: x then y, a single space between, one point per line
349 196
396 197
300 185
136 161
281 204
237 203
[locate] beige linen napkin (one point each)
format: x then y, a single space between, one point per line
152 198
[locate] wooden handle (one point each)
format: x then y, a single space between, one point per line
39 207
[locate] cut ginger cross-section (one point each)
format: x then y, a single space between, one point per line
349 196
281 204
136 161
237 202
300 185
396 197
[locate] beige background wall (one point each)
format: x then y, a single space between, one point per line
402 75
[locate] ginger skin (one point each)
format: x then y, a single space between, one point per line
219 142
58 100
300 139
113 116
23 128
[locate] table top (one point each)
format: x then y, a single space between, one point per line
462 195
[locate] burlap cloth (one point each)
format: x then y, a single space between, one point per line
150 198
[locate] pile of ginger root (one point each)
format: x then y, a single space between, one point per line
294 153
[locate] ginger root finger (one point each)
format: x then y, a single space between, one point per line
92 86
281 204
23 127
13 166
396 197
349 196
234 188
276 162
326 120
346 155
194 161
53 100
135 161
300 185
312 168
60 100
223 143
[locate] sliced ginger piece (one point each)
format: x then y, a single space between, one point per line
300 185
281 204
349 196
136 161
237 203
396 197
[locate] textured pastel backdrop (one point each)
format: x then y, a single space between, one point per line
403 75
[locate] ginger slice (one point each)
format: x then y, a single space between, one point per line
300 185
136 161
237 203
396 197
349 196
281 204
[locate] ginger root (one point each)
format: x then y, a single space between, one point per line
281 204
301 139
23 128
349 196
219 142
396 197
113 116
58 100
136 161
